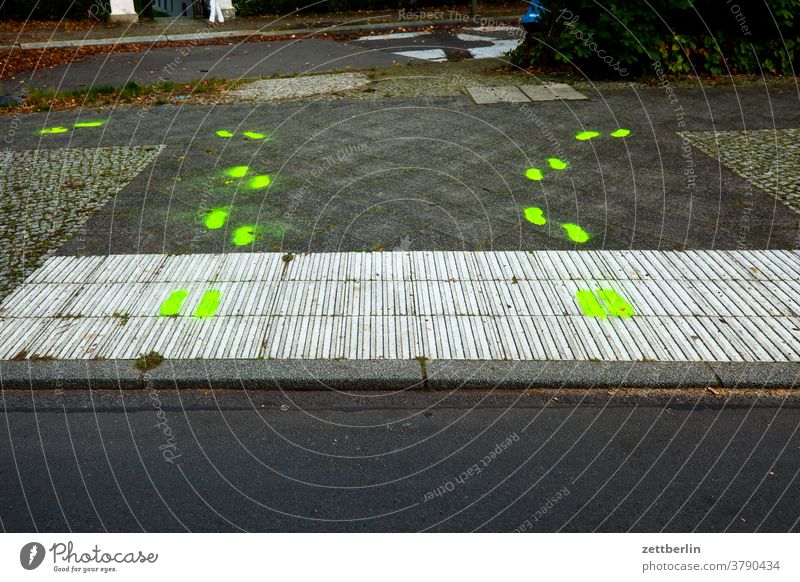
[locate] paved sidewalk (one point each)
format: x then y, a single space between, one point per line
565 308
188 29
579 243
645 306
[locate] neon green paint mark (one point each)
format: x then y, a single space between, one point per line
557 164
208 304
535 215
534 174
172 304
260 181
244 235
575 233
254 135
621 133
89 124
237 171
584 135
589 304
216 218
224 133
615 304
51 130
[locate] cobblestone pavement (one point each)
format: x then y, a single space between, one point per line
297 87
49 194
768 158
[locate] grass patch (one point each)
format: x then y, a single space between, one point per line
160 93
130 89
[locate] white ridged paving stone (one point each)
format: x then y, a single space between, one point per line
727 306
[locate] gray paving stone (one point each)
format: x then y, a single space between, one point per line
564 91
767 158
489 95
49 194
538 92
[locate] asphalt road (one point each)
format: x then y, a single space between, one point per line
236 60
270 461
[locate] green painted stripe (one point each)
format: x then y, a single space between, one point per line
172 304
614 302
89 124
51 130
621 133
254 135
208 304
589 304
557 164
224 133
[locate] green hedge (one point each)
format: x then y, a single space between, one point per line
619 39
54 9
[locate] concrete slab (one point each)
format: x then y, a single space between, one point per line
538 92
564 91
491 95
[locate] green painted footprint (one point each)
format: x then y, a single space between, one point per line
534 174
216 218
535 216
557 164
575 232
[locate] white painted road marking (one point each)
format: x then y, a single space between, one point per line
433 55
729 306
392 36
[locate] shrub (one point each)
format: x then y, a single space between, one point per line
616 39
54 9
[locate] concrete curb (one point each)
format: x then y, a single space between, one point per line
199 36
391 375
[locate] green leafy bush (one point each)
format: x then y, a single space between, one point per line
618 39
54 9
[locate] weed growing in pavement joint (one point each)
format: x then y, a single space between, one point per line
149 361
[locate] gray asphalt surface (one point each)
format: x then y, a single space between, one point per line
434 173
269 461
240 60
